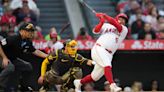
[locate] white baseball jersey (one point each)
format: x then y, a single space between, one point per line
110 38
55 46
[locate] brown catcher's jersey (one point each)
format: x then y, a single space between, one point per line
61 62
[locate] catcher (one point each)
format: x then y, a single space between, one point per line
65 67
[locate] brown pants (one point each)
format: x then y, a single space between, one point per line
66 80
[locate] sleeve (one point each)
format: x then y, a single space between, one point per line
97 28
58 45
114 23
44 66
79 58
7 41
124 33
51 58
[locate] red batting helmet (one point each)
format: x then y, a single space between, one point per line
122 15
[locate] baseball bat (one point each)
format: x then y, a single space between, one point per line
65 26
89 7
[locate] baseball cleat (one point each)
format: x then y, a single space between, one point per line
77 85
115 88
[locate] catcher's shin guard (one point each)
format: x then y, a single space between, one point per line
74 72
69 77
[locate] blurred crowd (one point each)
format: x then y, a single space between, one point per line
146 21
136 86
13 13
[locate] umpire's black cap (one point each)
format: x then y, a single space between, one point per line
28 27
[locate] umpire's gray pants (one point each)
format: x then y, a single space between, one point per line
18 64
4 75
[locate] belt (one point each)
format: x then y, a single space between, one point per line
105 48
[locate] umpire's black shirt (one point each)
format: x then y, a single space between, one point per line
14 46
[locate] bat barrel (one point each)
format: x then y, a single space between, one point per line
85 4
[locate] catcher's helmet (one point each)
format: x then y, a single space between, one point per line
71 46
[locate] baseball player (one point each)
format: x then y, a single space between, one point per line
112 34
65 67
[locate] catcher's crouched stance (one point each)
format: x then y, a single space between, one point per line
65 67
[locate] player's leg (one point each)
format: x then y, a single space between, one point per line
109 77
7 70
51 78
96 74
25 68
107 59
104 59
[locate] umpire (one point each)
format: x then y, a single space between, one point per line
14 46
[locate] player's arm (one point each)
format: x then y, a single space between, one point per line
44 66
52 57
6 42
40 54
113 22
34 51
97 28
2 54
45 63
83 60
4 57
43 70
